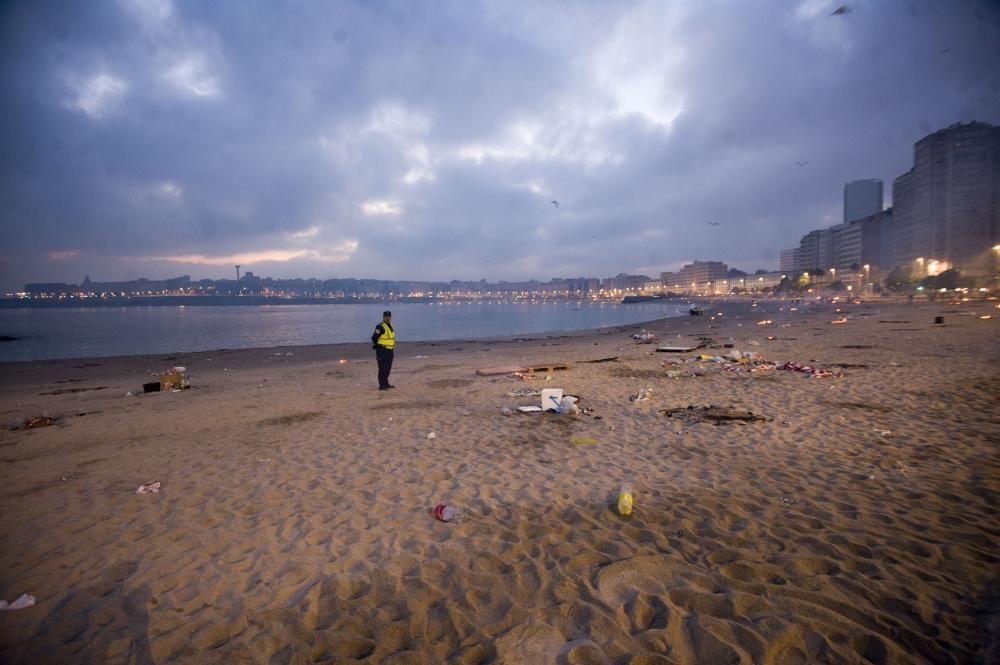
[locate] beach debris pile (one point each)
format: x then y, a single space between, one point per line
641 396
38 421
717 415
751 362
23 601
644 337
149 488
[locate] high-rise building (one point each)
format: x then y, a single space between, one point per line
816 250
862 198
859 242
947 207
701 272
789 260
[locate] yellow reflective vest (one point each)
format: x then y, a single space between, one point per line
388 337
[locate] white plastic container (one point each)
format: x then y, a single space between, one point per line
551 398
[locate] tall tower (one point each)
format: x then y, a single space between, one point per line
862 198
947 207
237 274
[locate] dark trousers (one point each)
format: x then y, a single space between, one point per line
384 357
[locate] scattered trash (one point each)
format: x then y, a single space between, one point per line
814 372
939 320
529 409
263 459
587 411
765 322
600 360
524 392
129 394
986 317
432 435
644 337
551 398
641 396
151 387
149 488
842 319
887 433
417 357
506 411
753 342
717 415
38 421
172 379
583 440
343 361
567 405
23 601
677 349
626 499
787 500
445 513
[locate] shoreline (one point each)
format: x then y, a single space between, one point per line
735 307
857 520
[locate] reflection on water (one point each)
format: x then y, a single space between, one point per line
90 332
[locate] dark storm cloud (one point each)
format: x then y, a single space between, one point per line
421 140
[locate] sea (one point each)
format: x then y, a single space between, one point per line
30 334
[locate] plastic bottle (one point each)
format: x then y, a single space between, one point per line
626 497
446 513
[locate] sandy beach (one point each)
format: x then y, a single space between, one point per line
857 523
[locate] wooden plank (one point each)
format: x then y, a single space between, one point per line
600 360
496 371
545 367
677 349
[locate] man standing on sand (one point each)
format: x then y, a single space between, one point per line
384 341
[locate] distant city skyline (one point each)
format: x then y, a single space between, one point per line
459 141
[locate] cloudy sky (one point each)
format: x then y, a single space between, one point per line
429 139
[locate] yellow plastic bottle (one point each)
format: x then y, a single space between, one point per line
626 497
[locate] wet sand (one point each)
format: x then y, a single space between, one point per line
857 524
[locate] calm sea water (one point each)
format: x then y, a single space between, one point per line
44 334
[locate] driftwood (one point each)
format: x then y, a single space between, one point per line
716 415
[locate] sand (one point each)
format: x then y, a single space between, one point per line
858 524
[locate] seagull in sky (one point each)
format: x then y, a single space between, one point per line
841 10
801 163
555 203
713 223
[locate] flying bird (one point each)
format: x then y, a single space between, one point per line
713 223
555 203
841 10
801 163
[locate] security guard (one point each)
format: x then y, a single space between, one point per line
384 341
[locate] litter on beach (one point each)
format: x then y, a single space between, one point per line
677 349
149 488
39 421
716 415
641 396
529 409
23 601
583 441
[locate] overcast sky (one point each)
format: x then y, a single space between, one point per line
428 140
